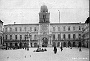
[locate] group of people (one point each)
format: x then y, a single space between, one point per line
61 47
55 49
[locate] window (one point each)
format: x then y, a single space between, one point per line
35 37
6 37
53 28
73 28
64 28
58 28
64 36
10 29
25 37
79 28
53 37
10 37
35 29
5 29
30 28
25 28
59 37
69 28
20 29
44 16
16 37
30 37
79 35
74 36
15 28
20 37
68 36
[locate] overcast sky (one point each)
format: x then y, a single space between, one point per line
27 11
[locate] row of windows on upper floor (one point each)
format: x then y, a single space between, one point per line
68 28
16 29
64 36
35 37
36 29
16 37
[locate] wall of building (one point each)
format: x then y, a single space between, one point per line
86 35
1 32
30 28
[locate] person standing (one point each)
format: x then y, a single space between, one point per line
80 46
61 47
55 49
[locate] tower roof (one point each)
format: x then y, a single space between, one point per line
44 8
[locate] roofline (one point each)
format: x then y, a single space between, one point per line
19 24
65 23
50 24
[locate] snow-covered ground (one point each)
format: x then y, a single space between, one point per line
66 55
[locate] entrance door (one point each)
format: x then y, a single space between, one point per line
45 42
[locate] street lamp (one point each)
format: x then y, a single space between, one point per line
28 38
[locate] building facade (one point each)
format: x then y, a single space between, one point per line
1 32
86 33
44 33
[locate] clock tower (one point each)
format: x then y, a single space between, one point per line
44 26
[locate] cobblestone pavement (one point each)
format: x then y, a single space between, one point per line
66 55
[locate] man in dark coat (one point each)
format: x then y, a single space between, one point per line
55 49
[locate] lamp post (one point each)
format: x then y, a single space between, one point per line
28 38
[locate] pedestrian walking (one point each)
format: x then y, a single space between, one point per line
61 46
55 50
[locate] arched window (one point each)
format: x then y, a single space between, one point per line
35 29
20 29
79 28
6 37
5 29
64 28
10 37
10 29
73 27
25 37
25 28
69 36
15 37
30 29
20 37
53 36
74 36
59 36
15 28
35 37
58 28
64 36
53 28
69 28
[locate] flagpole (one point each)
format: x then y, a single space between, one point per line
59 16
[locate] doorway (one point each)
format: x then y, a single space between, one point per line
45 42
